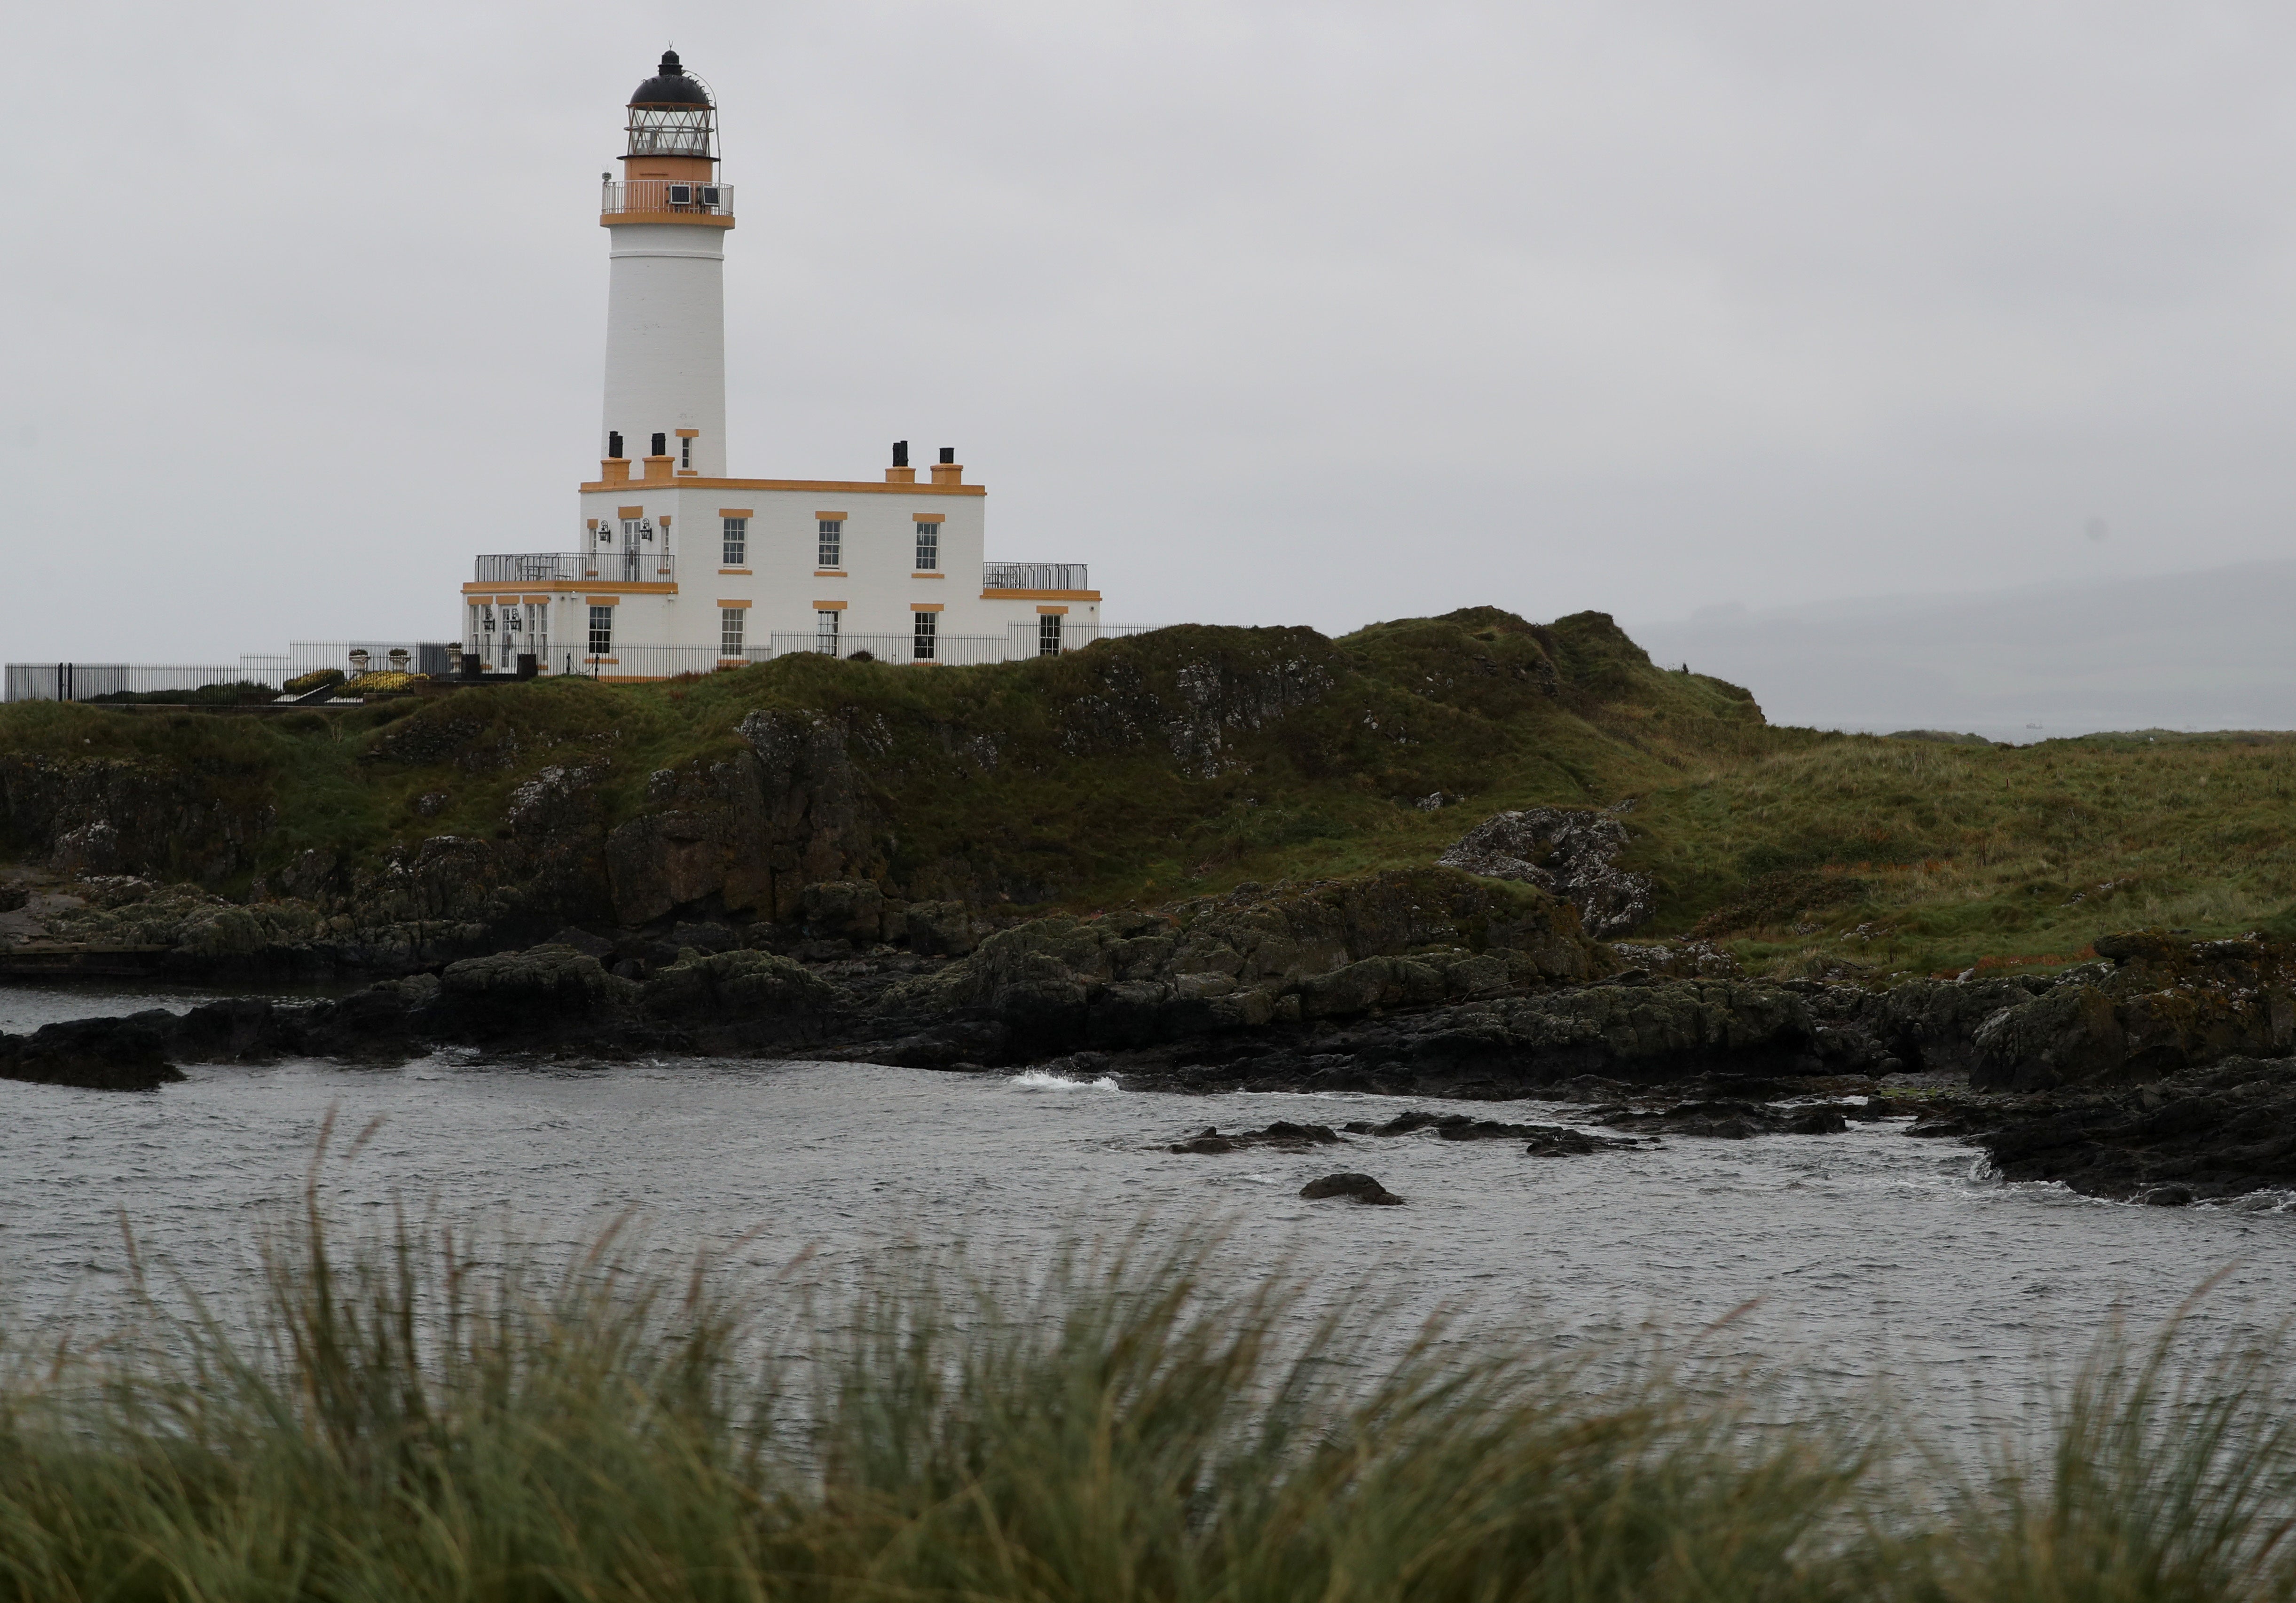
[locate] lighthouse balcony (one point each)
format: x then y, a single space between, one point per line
640 198
571 566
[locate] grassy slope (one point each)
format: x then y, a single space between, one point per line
1197 757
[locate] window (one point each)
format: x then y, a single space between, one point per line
729 631
601 631
685 450
825 627
1048 634
737 543
927 635
833 543
928 545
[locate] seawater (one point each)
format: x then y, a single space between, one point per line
1859 1258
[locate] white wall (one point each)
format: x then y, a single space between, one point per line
666 340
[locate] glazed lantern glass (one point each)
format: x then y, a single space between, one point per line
671 114
671 131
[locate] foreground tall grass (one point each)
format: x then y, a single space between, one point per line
398 1423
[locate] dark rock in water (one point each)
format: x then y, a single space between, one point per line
535 992
2206 1133
1561 1140
1355 1187
1545 1140
94 1054
2169 1196
237 1030
1281 1135
1731 1120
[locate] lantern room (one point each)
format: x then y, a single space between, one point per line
671 115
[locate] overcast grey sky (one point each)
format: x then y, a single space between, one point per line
1272 313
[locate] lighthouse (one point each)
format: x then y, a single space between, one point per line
668 216
680 568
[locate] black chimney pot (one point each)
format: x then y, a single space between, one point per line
900 453
948 454
614 446
662 445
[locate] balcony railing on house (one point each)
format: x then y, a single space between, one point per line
1033 575
640 567
621 197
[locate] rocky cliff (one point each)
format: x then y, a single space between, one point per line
844 805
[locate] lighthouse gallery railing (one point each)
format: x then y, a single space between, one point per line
621 196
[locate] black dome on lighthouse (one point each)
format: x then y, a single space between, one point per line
670 85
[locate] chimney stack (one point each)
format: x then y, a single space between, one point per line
900 472
947 469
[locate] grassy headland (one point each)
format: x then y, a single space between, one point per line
1148 770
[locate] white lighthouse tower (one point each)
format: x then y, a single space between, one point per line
668 216
680 568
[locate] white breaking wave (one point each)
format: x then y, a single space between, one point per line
1037 1079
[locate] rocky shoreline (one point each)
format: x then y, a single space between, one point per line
2160 1071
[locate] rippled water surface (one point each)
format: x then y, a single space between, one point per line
1865 1254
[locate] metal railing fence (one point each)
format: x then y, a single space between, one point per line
1033 575
953 651
85 681
640 567
617 196
1024 639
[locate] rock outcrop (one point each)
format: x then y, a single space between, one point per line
97 1054
2159 1005
2197 1134
1570 851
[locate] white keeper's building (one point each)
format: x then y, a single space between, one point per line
677 566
